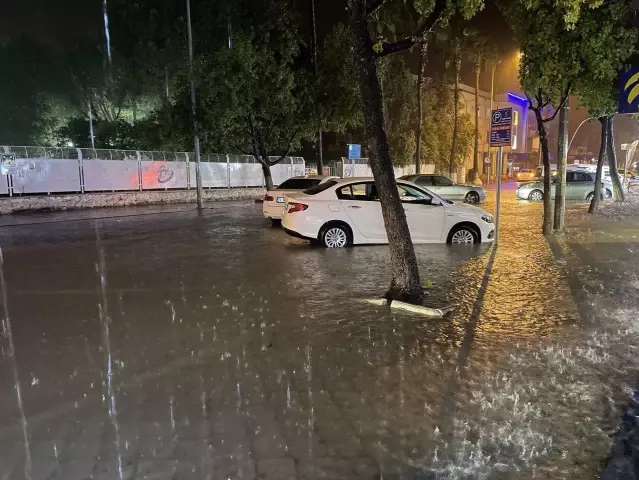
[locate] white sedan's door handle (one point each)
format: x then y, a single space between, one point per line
354 206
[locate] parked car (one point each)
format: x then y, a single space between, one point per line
539 171
525 174
605 178
446 188
580 185
273 205
345 212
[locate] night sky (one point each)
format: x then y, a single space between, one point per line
53 22
58 22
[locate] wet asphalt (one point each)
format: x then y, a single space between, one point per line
159 343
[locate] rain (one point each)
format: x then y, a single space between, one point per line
160 352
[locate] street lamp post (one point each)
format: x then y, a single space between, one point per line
575 134
196 138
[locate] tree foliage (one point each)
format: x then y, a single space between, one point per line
568 10
437 134
398 86
336 92
29 89
609 41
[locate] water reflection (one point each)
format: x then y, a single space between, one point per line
7 331
105 320
227 359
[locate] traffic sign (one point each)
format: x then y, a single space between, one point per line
629 90
7 163
501 127
354 150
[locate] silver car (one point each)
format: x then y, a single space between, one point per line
579 186
445 187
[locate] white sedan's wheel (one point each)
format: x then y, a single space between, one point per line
462 235
335 237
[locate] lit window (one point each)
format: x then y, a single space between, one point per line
515 117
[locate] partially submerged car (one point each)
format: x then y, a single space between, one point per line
446 188
273 204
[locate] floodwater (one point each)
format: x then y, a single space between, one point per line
156 343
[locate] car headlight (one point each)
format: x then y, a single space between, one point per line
487 218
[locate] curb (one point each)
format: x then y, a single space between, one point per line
409 307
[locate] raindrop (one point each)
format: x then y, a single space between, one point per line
170 304
171 415
107 32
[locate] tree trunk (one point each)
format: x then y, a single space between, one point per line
594 203
617 190
562 163
268 179
260 153
453 149
405 282
421 80
545 154
476 149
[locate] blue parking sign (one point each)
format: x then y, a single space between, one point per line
501 127
354 150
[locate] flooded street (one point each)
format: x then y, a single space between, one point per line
157 343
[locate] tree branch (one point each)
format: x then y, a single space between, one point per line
564 99
429 24
374 6
288 151
530 102
242 151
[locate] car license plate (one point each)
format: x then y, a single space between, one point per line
280 200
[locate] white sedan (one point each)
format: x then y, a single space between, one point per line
338 213
273 205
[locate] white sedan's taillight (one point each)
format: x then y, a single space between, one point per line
296 207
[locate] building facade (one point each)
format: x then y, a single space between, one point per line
523 136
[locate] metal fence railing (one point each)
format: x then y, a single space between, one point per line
47 170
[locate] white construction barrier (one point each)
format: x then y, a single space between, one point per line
41 170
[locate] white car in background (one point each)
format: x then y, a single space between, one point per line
273 205
338 213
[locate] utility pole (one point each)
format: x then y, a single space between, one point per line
320 147
421 80
196 138
562 163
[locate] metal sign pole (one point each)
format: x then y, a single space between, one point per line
500 136
500 167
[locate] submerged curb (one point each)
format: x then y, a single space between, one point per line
420 309
409 307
